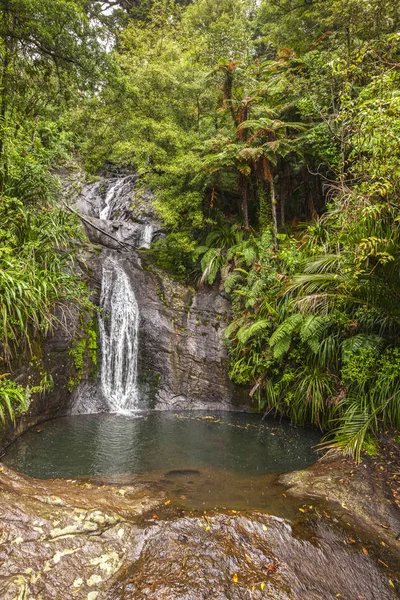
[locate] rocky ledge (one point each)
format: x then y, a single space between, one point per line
71 539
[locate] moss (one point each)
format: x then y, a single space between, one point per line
151 381
84 352
370 446
161 295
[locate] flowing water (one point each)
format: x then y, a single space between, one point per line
115 191
119 331
201 459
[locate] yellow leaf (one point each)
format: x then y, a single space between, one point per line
391 583
167 502
365 551
265 528
208 528
235 578
262 586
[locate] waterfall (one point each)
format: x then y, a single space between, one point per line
147 236
119 329
112 196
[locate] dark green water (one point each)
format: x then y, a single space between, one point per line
202 459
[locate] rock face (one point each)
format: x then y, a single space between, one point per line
63 540
53 357
182 361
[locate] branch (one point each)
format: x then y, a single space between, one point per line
90 224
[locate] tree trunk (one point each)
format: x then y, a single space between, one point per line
274 217
245 203
309 194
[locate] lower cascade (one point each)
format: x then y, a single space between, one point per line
119 330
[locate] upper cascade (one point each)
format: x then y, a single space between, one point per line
118 209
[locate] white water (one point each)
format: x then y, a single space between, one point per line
147 236
111 196
119 332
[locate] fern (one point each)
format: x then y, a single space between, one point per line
362 341
254 330
231 281
313 328
281 339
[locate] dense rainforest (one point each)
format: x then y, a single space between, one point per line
268 132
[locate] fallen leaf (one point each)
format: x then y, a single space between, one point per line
262 586
265 528
272 568
235 578
167 502
365 551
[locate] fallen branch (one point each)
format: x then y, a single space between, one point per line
90 224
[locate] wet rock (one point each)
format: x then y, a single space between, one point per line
65 539
182 359
182 473
247 556
355 489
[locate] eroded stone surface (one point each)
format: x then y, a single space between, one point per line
355 488
63 540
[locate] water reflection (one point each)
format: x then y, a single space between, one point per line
230 451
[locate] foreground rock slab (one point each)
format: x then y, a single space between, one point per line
356 488
66 539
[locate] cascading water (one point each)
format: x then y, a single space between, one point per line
117 209
106 211
119 329
147 236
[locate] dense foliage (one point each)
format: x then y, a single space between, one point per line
269 135
49 52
